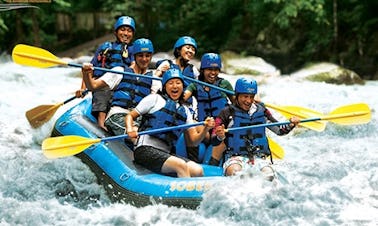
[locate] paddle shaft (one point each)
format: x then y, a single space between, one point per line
281 109
329 117
39 55
210 85
74 97
160 130
60 62
157 78
117 72
88 141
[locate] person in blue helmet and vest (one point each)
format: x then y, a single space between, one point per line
110 55
128 88
210 101
156 152
184 50
247 147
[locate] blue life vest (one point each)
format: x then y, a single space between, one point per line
112 54
168 116
131 90
245 141
210 103
188 70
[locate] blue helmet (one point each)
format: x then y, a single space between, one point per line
211 60
143 45
170 74
246 85
125 21
185 40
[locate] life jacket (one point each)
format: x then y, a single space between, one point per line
112 54
247 141
188 70
168 116
131 90
210 103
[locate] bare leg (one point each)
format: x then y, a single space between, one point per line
233 169
176 165
195 169
268 173
101 120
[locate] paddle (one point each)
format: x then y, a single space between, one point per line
41 114
301 113
353 114
276 150
63 146
37 57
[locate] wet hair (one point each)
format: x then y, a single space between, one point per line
201 76
176 52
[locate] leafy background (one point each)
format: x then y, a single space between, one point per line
287 33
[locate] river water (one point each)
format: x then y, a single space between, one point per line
332 175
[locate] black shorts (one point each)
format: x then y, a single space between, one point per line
152 158
192 153
101 101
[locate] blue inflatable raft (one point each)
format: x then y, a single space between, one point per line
124 180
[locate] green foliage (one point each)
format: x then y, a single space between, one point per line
289 11
287 33
3 27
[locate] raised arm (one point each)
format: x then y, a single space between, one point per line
195 135
90 82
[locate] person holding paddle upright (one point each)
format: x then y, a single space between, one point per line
110 55
246 147
156 152
128 89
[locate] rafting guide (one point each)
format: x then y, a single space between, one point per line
110 55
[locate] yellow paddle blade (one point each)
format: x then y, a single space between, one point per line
34 56
276 149
301 113
41 114
63 146
352 114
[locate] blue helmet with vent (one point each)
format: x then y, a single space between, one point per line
124 21
143 45
246 85
171 74
211 60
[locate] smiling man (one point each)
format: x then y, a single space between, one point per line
245 148
128 89
110 55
